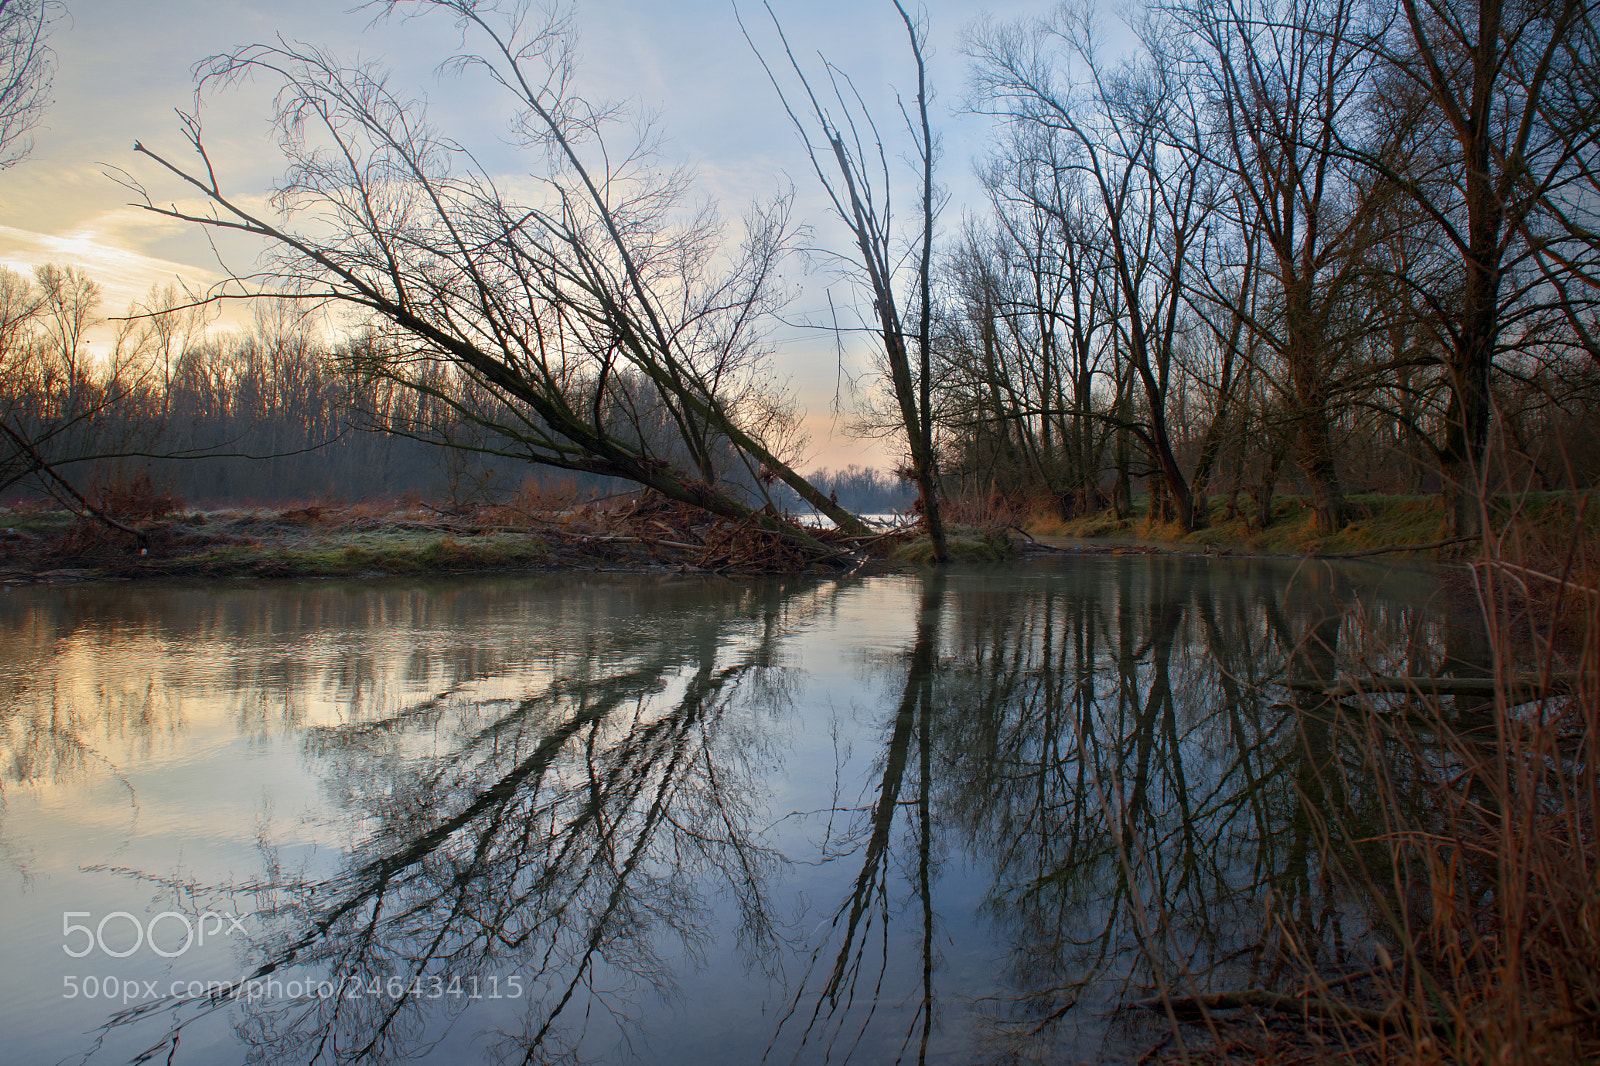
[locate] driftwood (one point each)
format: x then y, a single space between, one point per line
1332 1009
1392 549
694 536
1517 690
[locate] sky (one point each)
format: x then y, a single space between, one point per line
124 66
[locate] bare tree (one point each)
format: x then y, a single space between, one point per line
1050 238
992 367
1495 134
26 67
1273 82
58 414
861 195
599 312
1152 200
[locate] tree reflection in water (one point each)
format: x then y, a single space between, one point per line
1160 819
863 920
1104 746
573 838
566 840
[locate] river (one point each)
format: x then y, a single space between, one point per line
943 817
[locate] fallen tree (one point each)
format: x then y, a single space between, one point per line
596 325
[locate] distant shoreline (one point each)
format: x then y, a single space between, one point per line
54 546
367 540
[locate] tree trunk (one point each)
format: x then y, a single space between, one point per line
1317 462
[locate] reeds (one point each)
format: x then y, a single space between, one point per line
1484 895
1478 887
991 512
1493 903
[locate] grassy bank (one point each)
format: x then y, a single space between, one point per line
324 540
293 542
1417 524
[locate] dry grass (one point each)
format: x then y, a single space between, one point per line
990 513
1482 884
1524 525
1497 878
1494 902
132 495
544 497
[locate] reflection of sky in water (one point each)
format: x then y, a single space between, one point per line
172 748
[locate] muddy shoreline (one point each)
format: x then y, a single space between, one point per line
40 545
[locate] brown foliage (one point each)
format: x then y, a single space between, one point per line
132 497
994 510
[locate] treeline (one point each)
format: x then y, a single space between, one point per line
1350 246
1331 245
863 489
259 416
268 415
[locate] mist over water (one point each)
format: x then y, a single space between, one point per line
948 817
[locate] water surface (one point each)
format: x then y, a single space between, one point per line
945 817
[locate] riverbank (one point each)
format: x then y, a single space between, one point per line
652 535
329 540
1409 526
647 534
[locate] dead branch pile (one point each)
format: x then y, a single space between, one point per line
660 531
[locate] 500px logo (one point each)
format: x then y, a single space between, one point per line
194 932
129 990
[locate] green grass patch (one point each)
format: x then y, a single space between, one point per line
38 523
1552 510
964 547
1104 524
378 554
1374 522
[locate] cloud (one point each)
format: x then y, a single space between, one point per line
104 246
